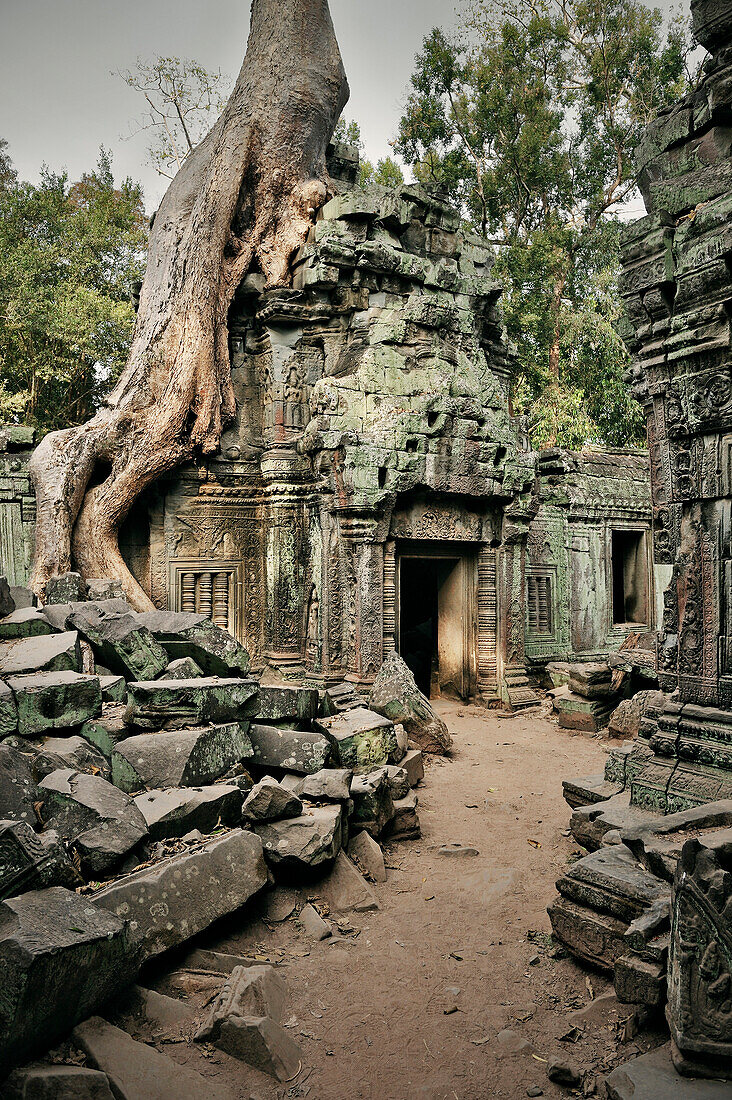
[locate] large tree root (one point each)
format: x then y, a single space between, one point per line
246 196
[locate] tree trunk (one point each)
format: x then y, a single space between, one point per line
245 198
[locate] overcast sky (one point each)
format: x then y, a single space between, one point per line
59 100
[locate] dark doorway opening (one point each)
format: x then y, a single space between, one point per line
630 577
432 623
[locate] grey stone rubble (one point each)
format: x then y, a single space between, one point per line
138 793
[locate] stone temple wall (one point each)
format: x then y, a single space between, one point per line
375 490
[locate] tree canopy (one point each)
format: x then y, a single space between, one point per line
386 172
529 120
69 254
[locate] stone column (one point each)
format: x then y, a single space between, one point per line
390 597
364 568
487 623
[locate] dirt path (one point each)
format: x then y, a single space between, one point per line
375 1012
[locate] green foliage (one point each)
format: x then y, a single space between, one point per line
348 132
68 256
386 173
529 123
183 100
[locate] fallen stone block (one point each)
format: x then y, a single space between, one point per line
69 752
413 764
166 1015
185 668
362 740
657 842
120 643
32 862
590 789
17 786
27 622
61 958
43 653
598 938
105 732
398 778
287 703
8 711
405 824
268 801
170 901
59 615
367 854
218 962
625 721
592 680
395 694
174 812
175 704
114 689
58 1083
346 889
578 713
7 603
640 981
373 805
614 882
104 588
653 1077
337 698
66 588
137 1071
100 821
589 825
185 634
54 701
304 753
179 758
327 785
261 1043
248 991
22 597
300 846
315 927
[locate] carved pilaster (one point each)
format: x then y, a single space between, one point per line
389 597
487 623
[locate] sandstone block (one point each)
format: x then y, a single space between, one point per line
69 752
101 822
22 597
299 846
398 780
361 739
120 643
175 812
268 801
114 689
395 694
287 703
174 704
184 668
183 634
27 622
17 786
368 856
58 1083
61 958
248 991
653 1077
7 603
32 862
262 1043
413 765
179 758
104 588
171 901
304 753
314 925
104 732
346 889
55 700
327 785
59 615
66 588
405 825
42 653
372 800
8 711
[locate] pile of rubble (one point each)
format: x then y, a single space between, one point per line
149 785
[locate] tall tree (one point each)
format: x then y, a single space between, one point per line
245 198
68 254
530 123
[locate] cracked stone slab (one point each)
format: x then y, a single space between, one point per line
174 704
120 642
26 622
185 634
179 758
302 845
43 653
174 812
362 740
54 700
303 753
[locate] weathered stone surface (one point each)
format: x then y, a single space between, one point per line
361 739
592 680
120 642
137 1071
262 1043
175 812
368 855
58 1083
61 958
69 752
590 824
174 704
7 603
32 862
398 778
179 758
700 958
395 694
657 842
48 653
596 937
22 597
67 588
327 785
316 928
653 1077
268 801
579 713
372 800
405 824
104 732
104 588
303 845
167 1015
413 764
59 615
248 991
27 622
17 786
100 821
174 899
114 689
8 711
640 981
183 634
287 703
54 700
337 698
303 753
613 881
625 720
184 668
346 889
